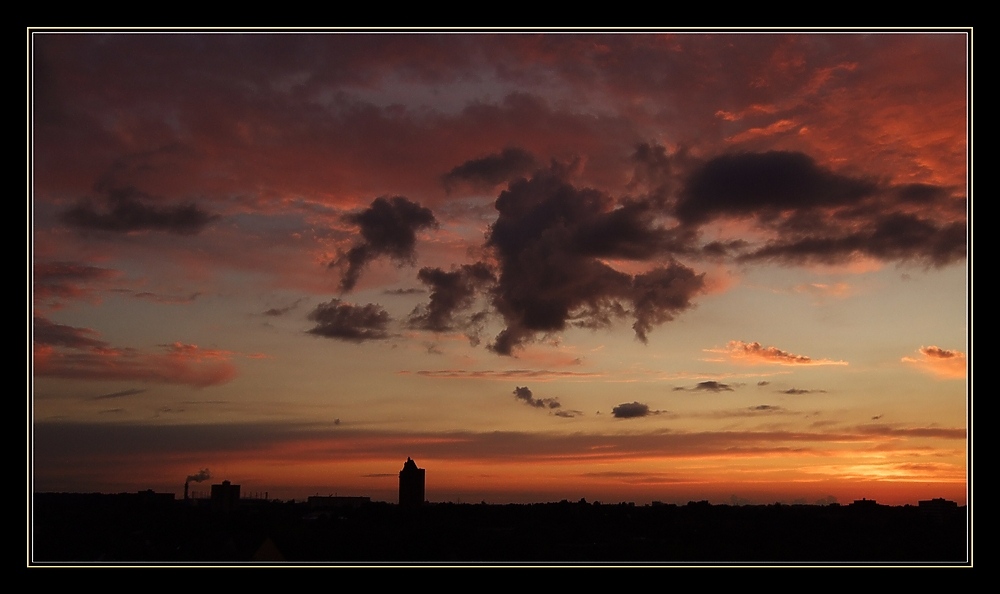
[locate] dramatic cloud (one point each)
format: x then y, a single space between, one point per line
763 185
127 210
354 323
388 228
797 391
631 410
451 292
940 362
539 186
709 386
818 215
551 239
525 395
487 172
754 352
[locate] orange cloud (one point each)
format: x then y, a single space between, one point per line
506 374
770 130
755 353
940 362
183 364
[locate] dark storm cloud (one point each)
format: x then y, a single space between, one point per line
354 323
127 209
388 228
921 194
762 185
551 238
709 386
822 216
631 410
525 395
895 236
492 170
451 292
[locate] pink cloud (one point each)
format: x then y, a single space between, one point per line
182 364
940 362
755 353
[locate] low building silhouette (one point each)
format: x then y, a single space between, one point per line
225 496
333 502
411 484
938 509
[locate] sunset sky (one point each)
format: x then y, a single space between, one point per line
615 265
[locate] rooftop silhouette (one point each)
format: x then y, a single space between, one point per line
411 484
145 527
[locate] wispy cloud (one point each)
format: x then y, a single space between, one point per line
504 374
708 386
121 394
756 354
181 364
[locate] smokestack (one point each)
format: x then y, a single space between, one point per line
201 475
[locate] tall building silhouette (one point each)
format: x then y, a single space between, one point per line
411 484
225 496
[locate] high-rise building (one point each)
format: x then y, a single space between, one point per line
411 484
225 496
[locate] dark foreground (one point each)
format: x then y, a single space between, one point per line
125 529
